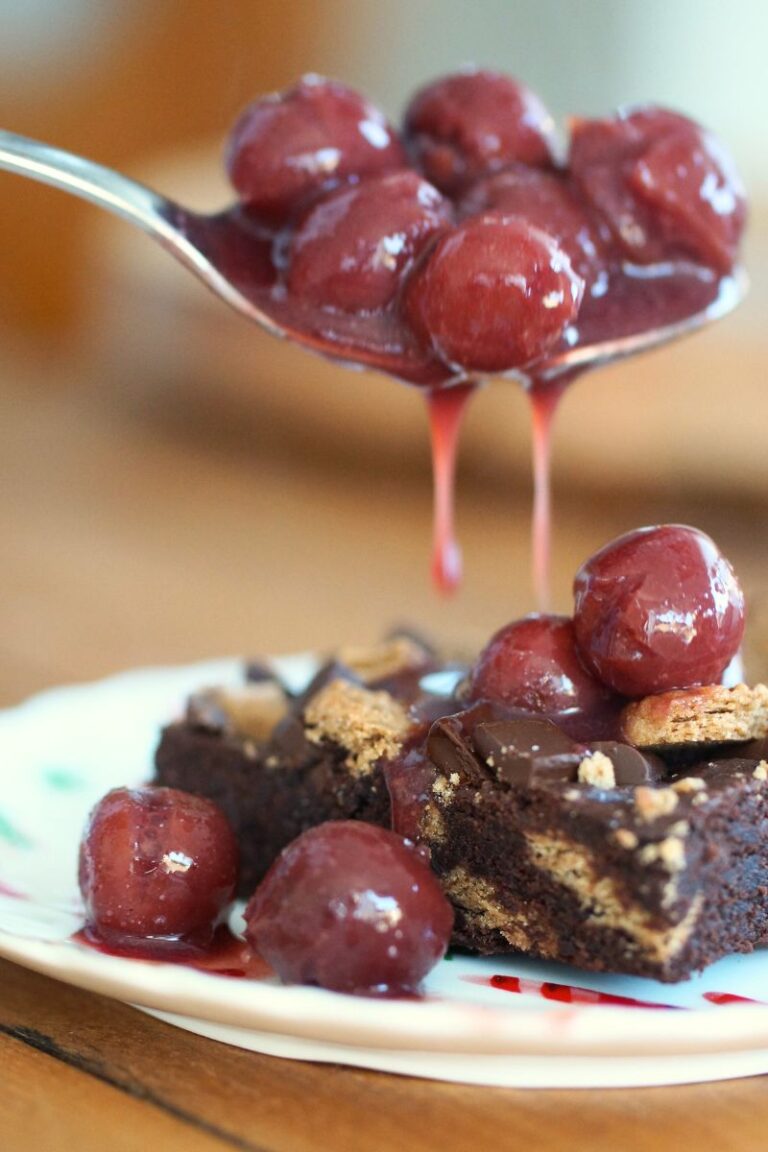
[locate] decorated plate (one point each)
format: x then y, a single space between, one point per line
506 1021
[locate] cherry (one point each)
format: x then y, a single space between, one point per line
657 609
534 665
493 294
546 200
350 251
292 144
665 187
350 907
474 122
156 863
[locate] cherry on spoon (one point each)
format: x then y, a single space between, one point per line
229 253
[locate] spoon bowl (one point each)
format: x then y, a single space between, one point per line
232 255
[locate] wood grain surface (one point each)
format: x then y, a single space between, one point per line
133 537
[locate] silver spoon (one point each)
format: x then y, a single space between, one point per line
230 256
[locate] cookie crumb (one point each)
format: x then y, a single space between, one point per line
761 771
689 784
597 769
654 802
670 853
626 838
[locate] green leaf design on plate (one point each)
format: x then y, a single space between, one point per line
62 779
12 835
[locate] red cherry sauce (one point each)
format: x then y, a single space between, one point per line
562 993
225 955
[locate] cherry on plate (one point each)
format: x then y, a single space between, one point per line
291 145
665 187
350 251
468 124
658 609
156 863
492 294
534 665
350 907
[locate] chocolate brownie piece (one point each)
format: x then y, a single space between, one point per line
279 764
599 856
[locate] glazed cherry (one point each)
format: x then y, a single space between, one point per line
546 200
665 187
657 609
350 907
156 863
493 294
534 665
350 251
293 144
474 122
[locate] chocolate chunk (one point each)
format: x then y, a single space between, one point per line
448 747
527 751
630 765
256 671
206 712
331 670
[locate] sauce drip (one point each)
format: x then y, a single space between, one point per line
446 410
545 399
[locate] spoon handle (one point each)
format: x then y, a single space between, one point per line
126 198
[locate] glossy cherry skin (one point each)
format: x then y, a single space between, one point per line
287 147
666 188
352 248
156 863
475 122
534 665
657 609
352 908
546 200
493 294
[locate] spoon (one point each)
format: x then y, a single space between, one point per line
233 257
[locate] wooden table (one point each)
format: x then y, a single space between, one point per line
131 537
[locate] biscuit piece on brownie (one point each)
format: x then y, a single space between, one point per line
278 765
712 714
556 853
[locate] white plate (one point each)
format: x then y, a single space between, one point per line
60 752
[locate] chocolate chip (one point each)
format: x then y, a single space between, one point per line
527 751
630 765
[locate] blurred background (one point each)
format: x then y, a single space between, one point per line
174 484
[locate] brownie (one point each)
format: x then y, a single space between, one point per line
650 861
599 856
279 764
